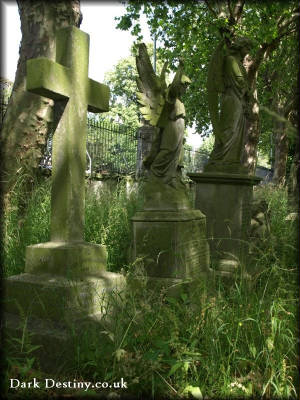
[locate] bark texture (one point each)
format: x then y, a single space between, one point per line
281 149
28 118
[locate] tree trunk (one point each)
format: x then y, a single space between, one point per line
281 151
251 139
28 117
293 178
286 119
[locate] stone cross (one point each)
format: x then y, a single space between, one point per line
66 81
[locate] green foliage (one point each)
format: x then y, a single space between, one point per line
228 340
21 228
20 365
213 339
277 86
282 243
192 31
121 80
107 216
207 145
123 104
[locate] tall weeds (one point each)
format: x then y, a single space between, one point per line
107 221
215 339
26 224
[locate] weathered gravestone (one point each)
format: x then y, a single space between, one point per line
169 236
65 278
224 190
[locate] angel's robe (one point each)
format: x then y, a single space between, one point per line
169 142
232 122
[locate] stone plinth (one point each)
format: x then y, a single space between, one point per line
172 244
56 313
226 201
70 259
59 298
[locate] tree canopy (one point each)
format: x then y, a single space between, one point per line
121 80
192 30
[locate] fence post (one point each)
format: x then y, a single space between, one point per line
145 137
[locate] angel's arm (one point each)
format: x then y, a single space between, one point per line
233 69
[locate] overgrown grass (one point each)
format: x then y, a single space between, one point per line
27 226
215 339
107 216
107 221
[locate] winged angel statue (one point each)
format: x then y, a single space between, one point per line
161 106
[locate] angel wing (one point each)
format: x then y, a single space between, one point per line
151 94
215 86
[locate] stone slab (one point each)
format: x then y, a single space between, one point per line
225 178
171 244
70 259
53 297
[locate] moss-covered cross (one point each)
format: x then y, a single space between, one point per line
66 81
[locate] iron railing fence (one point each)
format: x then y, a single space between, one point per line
112 148
194 160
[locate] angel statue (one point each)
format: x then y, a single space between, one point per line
228 102
161 106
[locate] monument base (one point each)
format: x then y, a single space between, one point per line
59 298
55 312
226 201
70 259
56 345
171 244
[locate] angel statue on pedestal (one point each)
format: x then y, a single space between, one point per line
228 103
161 106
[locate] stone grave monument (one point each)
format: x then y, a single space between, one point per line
66 277
168 235
224 190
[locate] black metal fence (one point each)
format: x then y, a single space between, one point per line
194 160
112 149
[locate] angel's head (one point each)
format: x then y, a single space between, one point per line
184 83
242 45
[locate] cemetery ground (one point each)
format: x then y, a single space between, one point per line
220 339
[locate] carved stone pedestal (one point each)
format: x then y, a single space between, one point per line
226 201
168 235
172 244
